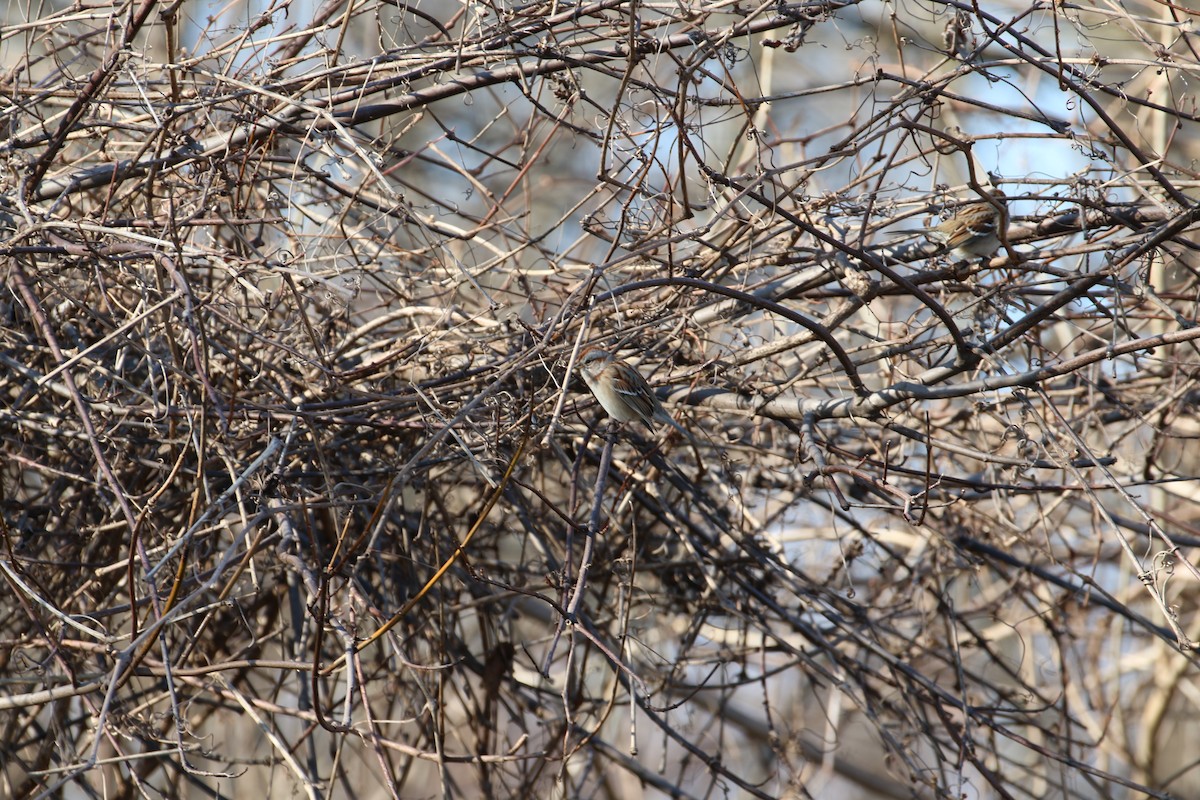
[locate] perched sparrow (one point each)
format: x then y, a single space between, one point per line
622 390
972 230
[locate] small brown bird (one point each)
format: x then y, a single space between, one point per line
622 390
972 230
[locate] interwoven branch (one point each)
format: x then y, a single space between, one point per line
299 488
